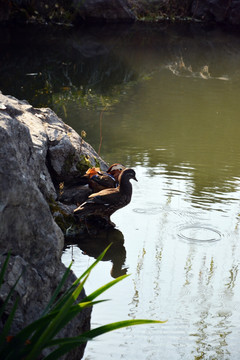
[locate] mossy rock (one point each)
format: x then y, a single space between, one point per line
84 164
62 214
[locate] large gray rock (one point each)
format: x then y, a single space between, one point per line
37 151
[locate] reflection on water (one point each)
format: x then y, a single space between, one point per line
169 99
94 245
180 69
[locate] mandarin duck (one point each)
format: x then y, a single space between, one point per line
98 180
104 203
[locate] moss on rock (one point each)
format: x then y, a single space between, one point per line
83 164
62 215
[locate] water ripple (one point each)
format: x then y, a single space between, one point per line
197 233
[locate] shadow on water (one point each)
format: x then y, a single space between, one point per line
46 61
94 245
40 63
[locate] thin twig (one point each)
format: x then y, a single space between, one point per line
100 129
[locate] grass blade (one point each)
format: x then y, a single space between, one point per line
58 289
99 258
16 344
6 328
68 344
103 288
118 325
73 311
51 329
68 293
3 270
8 297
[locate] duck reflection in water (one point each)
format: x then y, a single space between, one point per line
93 246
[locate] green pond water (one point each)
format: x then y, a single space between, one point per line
164 100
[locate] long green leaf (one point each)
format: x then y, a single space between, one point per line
65 345
8 297
68 293
64 315
58 289
42 332
19 340
7 325
40 324
103 288
99 258
51 328
117 325
3 270
73 312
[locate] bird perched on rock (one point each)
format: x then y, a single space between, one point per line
98 180
104 203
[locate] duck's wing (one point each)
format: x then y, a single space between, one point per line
102 199
106 196
107 181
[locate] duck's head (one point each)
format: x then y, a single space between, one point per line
92 171
115 170
127 174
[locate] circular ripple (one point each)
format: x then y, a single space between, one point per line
147 211
199 234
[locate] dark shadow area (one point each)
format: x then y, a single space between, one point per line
39 62
36 62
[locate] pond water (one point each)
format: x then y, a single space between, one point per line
164 100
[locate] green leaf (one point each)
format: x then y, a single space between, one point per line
3 270
65 345
18 341
62 316
68 293
57 291
117 325
8 297
41 333
103 288
72 312
7 325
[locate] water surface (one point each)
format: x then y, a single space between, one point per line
165 100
